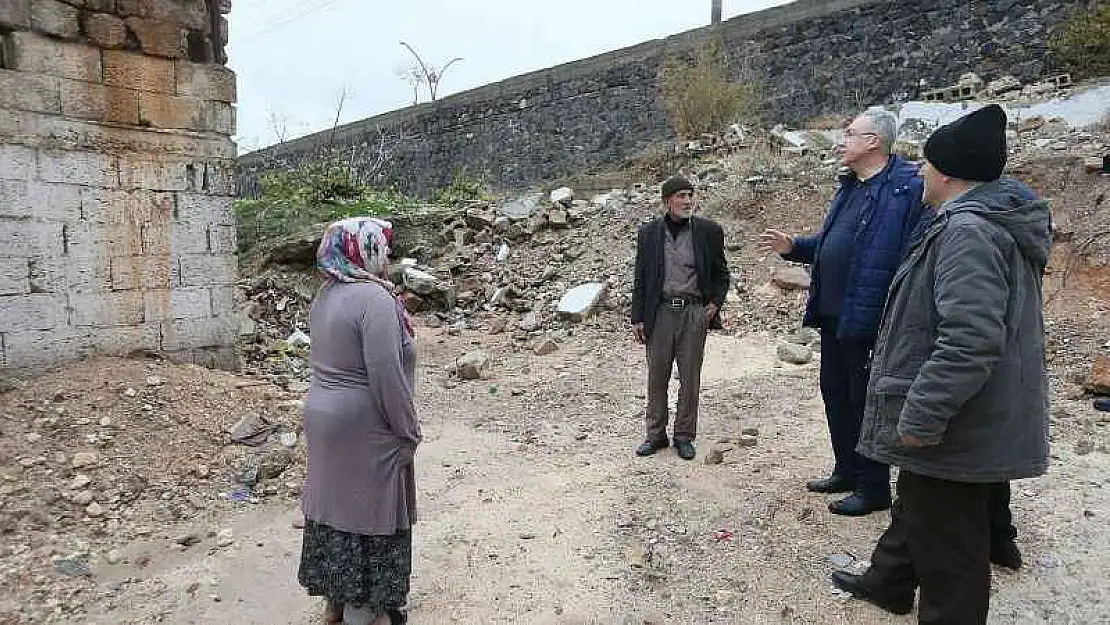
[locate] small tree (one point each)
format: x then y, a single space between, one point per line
1082 44
699 96
423 74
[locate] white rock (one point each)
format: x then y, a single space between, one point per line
299 339
113 557
85 459
130 392
94 510
80 481
225 538
791 278
580 301
419 282
83 498
795 354
562 195
154 381
472 366
521 208
33 438
289 439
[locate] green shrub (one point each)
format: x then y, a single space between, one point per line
464 188
1082 45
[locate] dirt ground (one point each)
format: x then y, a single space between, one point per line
534 510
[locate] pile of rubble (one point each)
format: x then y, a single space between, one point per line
110 461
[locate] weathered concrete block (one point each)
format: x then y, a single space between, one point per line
156 238
106 309
16 162
105 31
86 240
205 270
15 14
192 333
30 92
15 276
159 110
189 13
41 200
217 177
36 311
62 274
43 349
121 206
35 53
142 172
79 167
143 272
136 71
205 81
223 300
31 238
215 209
222 239
100 103
125 340
188 303
157 37
55 18
191 237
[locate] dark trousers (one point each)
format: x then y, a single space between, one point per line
678 337
1001 519
845 368
938 540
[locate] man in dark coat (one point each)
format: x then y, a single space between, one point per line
681 280
958 394
854 256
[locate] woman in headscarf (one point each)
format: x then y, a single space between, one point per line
361 428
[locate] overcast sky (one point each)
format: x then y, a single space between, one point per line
295 57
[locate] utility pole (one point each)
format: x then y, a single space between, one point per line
716 17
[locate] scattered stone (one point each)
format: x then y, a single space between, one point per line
1048 562
1098 382
289 439
299 339
154 381
521 208
80 481
558 218
747 440
562 195
274 463
579 302
1093 164
252 430
750 431
842 561
188 540
1084 446
530 321
715 456
225 538
105 422
112 557
94 510
130 392
85 459
83 498
545 347
202 471
791 278
472 366
795 354
73 566
33 438
420 282
805 336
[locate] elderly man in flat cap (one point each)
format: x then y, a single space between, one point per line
958 394
681 279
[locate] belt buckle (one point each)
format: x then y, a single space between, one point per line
677 302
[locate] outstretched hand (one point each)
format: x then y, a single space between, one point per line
776 241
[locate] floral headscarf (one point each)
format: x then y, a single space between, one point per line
357 250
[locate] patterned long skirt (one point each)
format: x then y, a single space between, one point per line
371 572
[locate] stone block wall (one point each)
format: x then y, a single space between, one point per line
116 182
814 56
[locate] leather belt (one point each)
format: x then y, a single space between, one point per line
678 302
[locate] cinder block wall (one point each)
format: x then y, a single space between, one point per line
116 182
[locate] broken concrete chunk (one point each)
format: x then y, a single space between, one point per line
579 302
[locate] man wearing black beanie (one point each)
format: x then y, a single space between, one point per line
958 395
681 279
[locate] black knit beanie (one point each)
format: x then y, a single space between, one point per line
971 148
674 184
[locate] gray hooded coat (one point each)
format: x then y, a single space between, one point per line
959 361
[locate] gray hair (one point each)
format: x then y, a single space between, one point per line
885 126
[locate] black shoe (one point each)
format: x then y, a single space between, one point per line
685 449
649 447
831 484
856 585
1005 554
858 505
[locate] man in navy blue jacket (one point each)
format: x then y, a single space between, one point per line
854 257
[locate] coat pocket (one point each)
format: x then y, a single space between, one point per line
889 395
